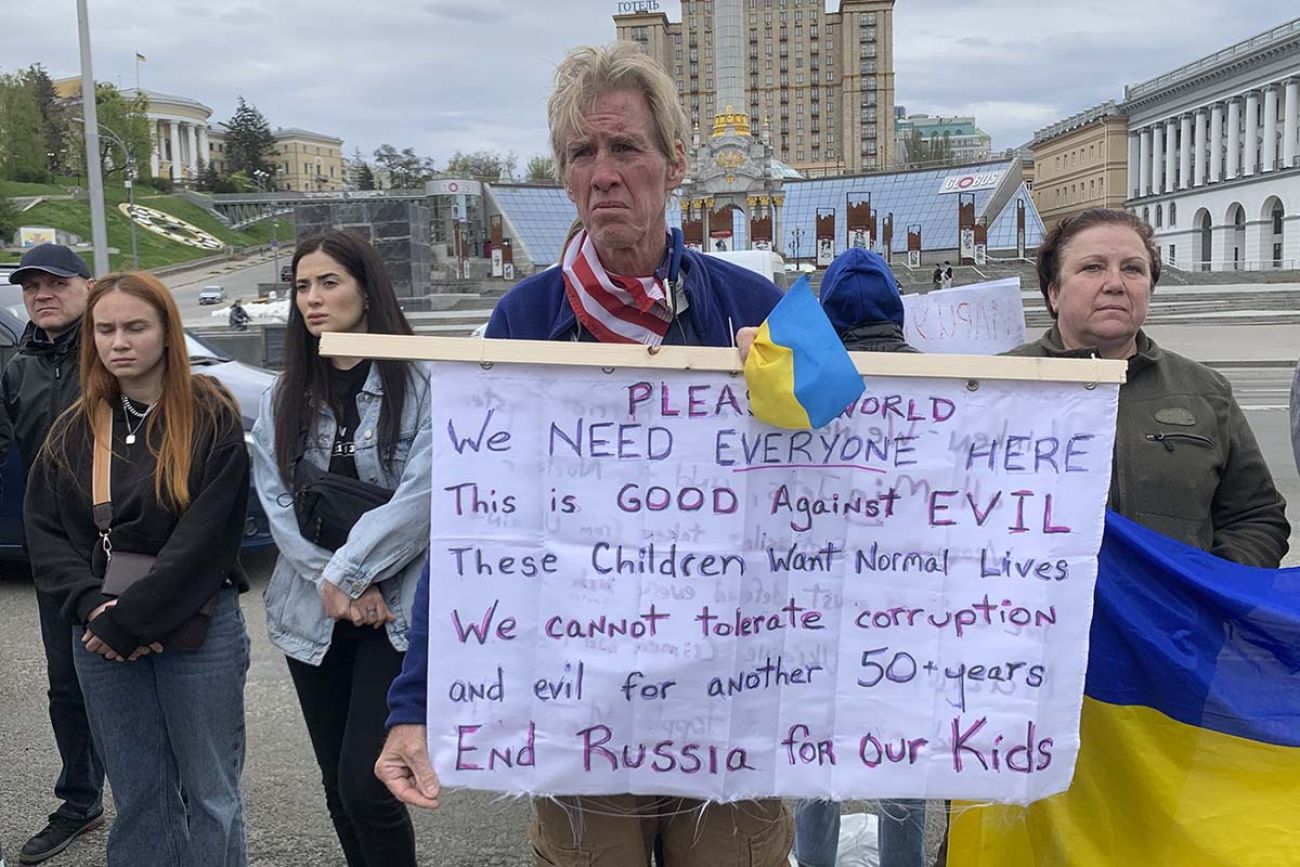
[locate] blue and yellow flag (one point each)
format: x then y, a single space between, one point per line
1190 734
799 374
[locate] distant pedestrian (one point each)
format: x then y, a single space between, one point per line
239 317
947 274
937 278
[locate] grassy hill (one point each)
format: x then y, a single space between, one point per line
155 250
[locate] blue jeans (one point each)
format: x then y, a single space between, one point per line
171 727
902 833
80 786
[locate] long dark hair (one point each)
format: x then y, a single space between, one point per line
303 388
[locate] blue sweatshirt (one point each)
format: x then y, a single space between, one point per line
721 299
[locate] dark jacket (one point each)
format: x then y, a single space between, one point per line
860 296
197 551
722 299
39 383
1186 462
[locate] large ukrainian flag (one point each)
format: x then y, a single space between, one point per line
799 374
1190 734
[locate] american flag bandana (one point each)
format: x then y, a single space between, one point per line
615 309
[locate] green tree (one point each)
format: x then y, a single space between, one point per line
127 118
208 179
484 165
359 171
56 126
249 141
406 169
365 177
541 169
22 153
10 219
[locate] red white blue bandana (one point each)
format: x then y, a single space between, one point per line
615 309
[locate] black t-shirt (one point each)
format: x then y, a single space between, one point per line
345 385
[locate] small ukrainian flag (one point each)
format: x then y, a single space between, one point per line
798 372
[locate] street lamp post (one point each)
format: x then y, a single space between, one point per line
796 234
260 178
94 177
130 179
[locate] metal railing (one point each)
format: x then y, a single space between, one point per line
1228 265
278 197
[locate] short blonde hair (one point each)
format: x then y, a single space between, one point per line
589 72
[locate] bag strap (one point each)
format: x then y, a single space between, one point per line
101 467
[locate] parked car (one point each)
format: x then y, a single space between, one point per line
211 295
245 382
286 273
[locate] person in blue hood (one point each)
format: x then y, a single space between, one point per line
860 296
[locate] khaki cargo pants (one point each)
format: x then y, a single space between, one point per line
620 830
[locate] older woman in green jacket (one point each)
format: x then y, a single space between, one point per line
1186 462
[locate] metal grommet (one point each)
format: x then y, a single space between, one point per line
1090 385
607 370
653 350
972 385
486 365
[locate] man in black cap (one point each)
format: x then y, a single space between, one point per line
40 382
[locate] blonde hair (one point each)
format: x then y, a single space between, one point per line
589 72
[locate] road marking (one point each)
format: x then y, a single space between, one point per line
1265 407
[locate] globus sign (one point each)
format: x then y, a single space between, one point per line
453 187
970 183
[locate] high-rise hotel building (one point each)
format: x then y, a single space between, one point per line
822 82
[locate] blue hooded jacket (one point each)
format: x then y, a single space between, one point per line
860 296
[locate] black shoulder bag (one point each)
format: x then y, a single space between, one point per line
328 505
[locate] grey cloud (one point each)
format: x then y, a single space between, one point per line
466 10
447 75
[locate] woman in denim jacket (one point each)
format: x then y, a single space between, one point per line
341 616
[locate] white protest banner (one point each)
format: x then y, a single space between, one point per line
977 319
637 588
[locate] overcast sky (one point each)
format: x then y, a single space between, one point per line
448 75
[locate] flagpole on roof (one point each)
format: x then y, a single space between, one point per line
94 174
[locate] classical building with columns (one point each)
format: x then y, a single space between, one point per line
1214 156
180 136
178 125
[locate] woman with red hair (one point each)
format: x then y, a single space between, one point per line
134 516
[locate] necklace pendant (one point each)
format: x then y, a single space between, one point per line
130 439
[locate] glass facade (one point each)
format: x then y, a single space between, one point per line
542 215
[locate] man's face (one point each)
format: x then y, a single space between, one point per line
620 181
55 303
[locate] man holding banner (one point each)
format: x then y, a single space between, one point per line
619 138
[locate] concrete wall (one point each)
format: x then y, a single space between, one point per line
399 229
